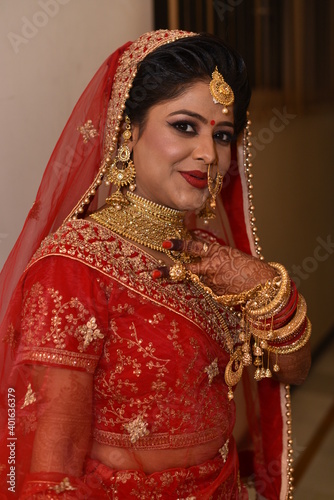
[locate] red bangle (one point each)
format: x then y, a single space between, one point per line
291 338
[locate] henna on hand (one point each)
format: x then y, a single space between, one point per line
226 270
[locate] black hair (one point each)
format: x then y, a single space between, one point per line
166 72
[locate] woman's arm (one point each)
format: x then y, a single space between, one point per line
294 367
228 271
58 409
64 419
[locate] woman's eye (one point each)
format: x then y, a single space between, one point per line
184 127
223 136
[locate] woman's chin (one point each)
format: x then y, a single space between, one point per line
191 205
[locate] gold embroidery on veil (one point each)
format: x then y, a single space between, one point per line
29 398
88 131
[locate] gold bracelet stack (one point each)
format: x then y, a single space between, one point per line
284 340
258 338
294 346
286 332
266 305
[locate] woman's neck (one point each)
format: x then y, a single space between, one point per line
144 222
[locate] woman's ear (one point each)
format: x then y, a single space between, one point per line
134 137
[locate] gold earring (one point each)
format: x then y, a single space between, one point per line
214 186
122 171
206 213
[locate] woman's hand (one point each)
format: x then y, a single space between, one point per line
226 270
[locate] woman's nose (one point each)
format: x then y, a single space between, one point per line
205 150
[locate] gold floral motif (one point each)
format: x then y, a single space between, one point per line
137 429
174 329
157 318
224 451
34 315
105 288
212 370
90 332
124 477
88 131
29 398
69 319
10 337
28 422
64 485
166 479
131 352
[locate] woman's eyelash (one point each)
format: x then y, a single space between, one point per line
184 126
189 127
224 136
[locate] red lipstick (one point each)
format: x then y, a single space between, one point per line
196 178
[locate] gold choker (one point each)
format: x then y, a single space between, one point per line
145 222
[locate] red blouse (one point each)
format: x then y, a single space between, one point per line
156 348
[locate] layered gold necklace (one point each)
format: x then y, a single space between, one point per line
145 222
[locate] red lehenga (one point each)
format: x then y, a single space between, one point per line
94 349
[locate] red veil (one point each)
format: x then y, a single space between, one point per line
70 185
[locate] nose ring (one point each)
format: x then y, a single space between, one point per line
214 185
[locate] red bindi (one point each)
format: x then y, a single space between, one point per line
212 122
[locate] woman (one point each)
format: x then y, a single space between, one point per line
131 326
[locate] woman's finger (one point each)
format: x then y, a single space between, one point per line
160 272
191 247
196 268
176 272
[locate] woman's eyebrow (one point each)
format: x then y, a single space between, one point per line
199 117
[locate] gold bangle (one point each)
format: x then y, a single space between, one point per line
280 298
236 299
295 346
285 331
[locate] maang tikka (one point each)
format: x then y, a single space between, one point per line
221 91
122 170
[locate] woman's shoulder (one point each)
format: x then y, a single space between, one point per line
95 246
76 239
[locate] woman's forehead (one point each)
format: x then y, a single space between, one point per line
194 99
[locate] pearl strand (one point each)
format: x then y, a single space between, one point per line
247 144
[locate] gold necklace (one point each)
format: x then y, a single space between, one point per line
146 223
